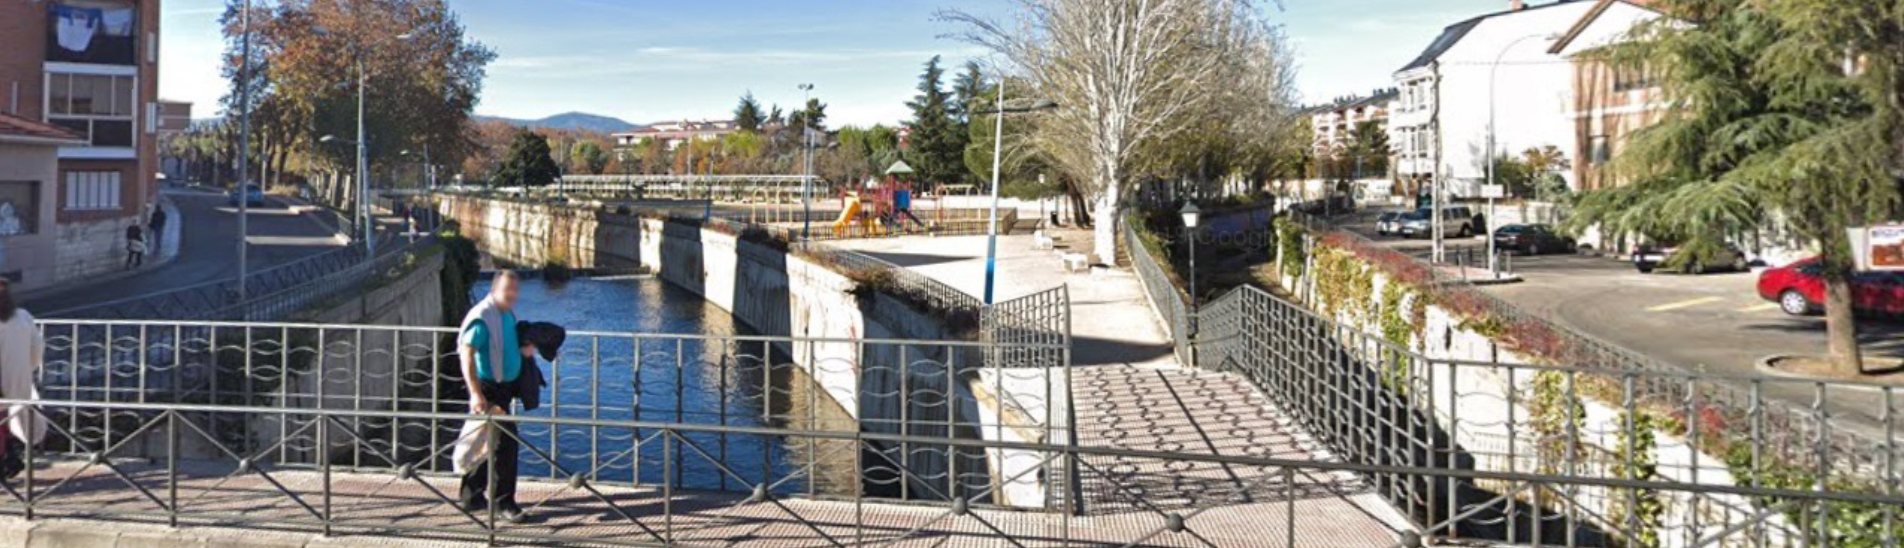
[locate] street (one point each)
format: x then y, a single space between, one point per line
207 249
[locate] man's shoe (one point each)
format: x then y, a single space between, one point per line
475 506
513 514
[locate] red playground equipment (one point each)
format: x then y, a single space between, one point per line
879 208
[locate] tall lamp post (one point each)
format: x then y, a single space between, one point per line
806 183
1191 218
244 152
365 222
1493 164
998 148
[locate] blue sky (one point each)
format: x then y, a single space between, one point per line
649 60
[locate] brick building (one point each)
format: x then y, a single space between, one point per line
89 67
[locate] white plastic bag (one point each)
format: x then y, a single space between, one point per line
472 445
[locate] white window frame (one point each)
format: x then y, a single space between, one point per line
92 190
133 116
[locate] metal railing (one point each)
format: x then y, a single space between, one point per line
667 440
1166 297
1375 402
898 387
221 299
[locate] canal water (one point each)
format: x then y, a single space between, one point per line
688 369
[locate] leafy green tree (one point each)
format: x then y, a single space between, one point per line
589 156
1368 149
528 162
748 115
935 149
1787 106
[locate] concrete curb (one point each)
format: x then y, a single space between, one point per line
1764 365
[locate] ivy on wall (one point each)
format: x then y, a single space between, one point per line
1636 459
1402 315
1344 284
1290 252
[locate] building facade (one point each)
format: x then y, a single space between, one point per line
1334 124
89 67
673 134
1492 70
1610 104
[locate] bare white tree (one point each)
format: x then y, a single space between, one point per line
1129 75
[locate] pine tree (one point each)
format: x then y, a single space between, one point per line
1788 107
529 162
936 148
747 115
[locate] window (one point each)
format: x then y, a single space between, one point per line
98 107
93 32
1598 152
1631 78
92 190
19 208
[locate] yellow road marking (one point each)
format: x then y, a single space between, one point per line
1760 307
1684 304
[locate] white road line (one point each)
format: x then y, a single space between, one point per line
1761 307
1685 304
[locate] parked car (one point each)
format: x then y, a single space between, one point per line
253 195
1653 257
1389 223
1799 289
1531 239
1456 221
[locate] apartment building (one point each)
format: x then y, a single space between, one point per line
89 68
1333 123
1493 68
1610 103
673 134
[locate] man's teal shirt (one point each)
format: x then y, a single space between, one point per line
478 336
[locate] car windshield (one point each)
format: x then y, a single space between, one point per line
1415 216
1515 229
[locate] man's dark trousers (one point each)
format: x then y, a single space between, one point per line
476 482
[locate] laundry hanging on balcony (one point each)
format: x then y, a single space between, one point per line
75 27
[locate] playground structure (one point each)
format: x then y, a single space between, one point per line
880 209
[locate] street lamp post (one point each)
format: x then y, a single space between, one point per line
1493 163
998 147
991 233
1191 218
806 183
244 152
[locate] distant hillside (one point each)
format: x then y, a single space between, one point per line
573 120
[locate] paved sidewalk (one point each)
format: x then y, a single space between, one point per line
1111 320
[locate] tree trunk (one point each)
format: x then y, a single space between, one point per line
1841 326
1104 231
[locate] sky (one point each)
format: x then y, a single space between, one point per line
652 60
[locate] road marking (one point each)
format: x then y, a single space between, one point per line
1760 307
1684 304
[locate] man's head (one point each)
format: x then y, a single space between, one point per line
504 290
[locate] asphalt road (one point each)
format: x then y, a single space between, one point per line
208 249
1713 322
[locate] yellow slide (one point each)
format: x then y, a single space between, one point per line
846 217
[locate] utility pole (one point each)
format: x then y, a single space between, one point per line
806 184
367 225
244 148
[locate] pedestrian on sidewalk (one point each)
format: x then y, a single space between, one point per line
22 352
135 247
491 353
156 226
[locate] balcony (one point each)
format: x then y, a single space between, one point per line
100 33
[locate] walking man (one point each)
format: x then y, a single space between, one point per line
135 247
491 354
156 227
22 353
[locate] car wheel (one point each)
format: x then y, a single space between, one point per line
1794 303
1739 264
1696 268
1465 232
1646 270
1533 249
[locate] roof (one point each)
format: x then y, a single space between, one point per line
14 129
1586 21
1380 96
1455 32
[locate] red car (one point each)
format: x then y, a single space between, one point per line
1799 290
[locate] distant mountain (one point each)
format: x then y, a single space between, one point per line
573 120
